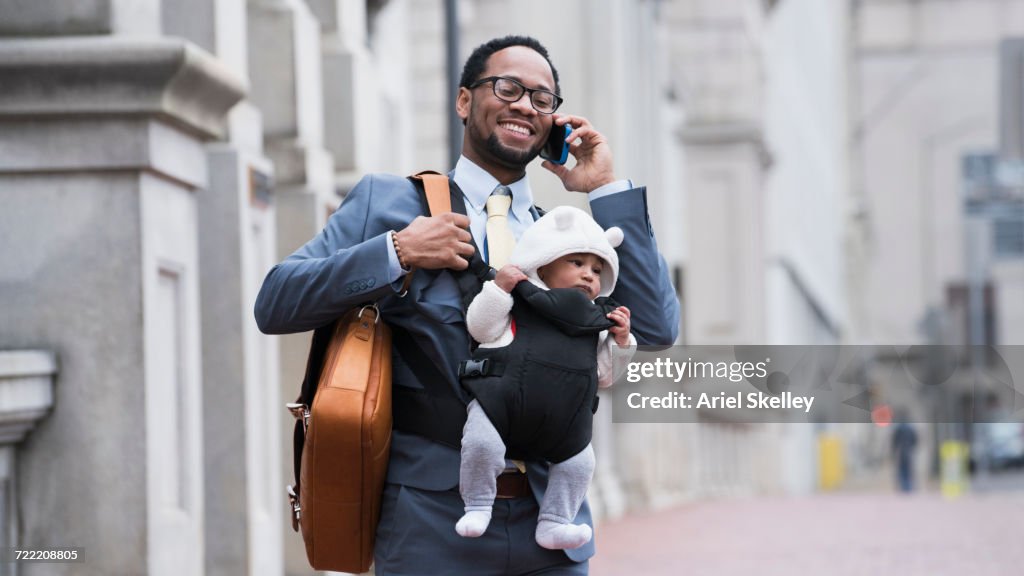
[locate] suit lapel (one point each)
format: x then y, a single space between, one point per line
459 207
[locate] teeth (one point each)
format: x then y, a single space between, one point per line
517 129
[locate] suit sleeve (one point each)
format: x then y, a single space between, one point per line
643 285
336 270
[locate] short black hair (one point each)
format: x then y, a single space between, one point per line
477 61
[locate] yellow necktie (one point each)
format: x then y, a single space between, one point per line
499 237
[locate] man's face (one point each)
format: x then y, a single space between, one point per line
581 271
509 134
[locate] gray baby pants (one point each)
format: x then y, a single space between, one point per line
483 458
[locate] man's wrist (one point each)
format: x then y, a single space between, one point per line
609 189
403 261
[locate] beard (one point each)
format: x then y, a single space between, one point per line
501 154
509 156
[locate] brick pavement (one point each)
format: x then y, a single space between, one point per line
834 535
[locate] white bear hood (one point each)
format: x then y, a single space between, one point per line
567 230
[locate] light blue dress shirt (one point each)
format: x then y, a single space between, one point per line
476 185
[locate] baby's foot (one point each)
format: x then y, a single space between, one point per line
473 523
555 536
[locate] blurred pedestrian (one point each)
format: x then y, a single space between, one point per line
904 441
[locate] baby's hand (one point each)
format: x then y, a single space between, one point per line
508 277
621 329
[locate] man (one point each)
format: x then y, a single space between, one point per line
507 97
904 440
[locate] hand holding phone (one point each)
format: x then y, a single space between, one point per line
594 165
556 149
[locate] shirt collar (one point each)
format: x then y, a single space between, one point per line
477 184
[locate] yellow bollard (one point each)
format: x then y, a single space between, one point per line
831 466
953 457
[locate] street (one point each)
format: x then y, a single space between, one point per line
829 534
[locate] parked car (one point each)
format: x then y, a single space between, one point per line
998 445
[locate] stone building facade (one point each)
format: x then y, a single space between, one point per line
158 156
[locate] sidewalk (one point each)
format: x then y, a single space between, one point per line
835 535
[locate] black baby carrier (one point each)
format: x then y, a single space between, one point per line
540 391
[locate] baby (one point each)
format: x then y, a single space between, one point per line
549 337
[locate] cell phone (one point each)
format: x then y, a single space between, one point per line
557 149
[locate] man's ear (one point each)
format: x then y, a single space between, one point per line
463 102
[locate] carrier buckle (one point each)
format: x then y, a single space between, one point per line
473 368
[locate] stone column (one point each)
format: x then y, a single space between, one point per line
725 162
242 422
367 100
430 99
101 157
350 88
244 412
284 62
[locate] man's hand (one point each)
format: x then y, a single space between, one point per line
508 277
433 242
621 329
593 156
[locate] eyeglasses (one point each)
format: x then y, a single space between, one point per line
511 90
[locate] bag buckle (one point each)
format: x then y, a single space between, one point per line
300 412
473 368
374 308
293 499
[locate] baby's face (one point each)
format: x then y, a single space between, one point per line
581 271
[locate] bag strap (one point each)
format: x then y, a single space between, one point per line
435 184
435 187
437 191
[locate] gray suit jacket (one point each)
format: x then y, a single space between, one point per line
346 264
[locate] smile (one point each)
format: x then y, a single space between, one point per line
516 129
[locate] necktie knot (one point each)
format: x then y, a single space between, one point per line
499 202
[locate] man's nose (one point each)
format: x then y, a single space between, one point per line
523 106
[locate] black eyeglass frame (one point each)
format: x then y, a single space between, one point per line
531 91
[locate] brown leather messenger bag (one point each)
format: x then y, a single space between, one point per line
343 433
